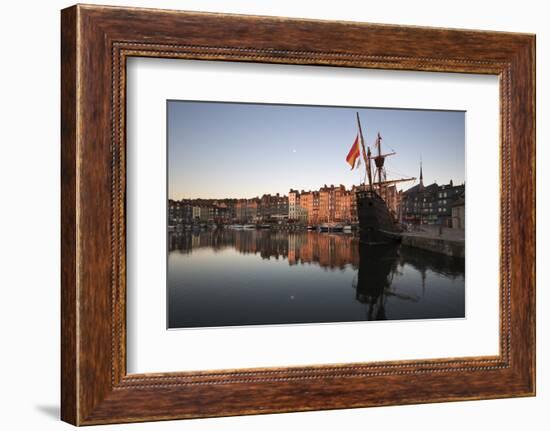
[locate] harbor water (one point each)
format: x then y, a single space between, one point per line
229 277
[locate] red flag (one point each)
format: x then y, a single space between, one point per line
354 153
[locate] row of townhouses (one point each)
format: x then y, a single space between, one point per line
265 208
328 204
431 204
434 204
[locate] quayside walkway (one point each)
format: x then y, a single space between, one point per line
437 239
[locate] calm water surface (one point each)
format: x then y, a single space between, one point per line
257 277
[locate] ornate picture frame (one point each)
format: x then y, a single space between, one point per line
96 41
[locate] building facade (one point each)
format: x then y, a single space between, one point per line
247 210
293 204
458 211
179 212
309 207
330 204
430 204
447 196
273 208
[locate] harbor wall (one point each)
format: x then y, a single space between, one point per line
437 245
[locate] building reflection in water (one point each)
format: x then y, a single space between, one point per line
375 266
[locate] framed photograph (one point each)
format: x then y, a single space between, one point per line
237 218
264 214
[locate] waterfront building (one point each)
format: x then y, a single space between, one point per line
341 204
458 213
293 204
204 214
299 212
189 211
392 198
336 204
196 213
419 203
273 207
223 213
430 204
247 210
309 207
179 212
329 204
216 214
447 196
326 204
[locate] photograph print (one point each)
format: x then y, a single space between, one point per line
297 214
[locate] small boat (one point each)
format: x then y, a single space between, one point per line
331 227
249 226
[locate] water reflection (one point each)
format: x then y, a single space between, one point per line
247 277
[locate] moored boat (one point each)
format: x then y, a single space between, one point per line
377 224
331 227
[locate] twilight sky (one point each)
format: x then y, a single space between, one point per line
235 150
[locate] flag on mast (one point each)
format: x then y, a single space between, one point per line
354 153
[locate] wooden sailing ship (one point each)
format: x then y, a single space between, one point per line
377 223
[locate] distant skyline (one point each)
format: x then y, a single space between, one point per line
236 150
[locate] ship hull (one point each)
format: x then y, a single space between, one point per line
376 224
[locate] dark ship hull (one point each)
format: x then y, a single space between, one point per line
376 223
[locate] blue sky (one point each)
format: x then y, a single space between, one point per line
234 150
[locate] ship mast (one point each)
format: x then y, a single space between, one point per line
379 163
366 155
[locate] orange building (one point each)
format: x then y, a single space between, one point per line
329 204
247 210
309 203
336 204
326 204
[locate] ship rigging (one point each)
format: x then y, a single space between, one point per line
378 160
377 223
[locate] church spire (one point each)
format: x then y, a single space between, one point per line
421 178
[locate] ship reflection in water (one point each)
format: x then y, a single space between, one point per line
257 277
